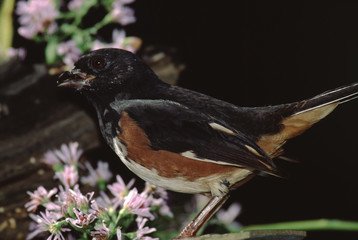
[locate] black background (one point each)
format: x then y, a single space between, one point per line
254 53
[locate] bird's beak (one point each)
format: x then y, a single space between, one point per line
74 79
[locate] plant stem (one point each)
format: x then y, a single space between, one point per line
6 27
106 20
308 225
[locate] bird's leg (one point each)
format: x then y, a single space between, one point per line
205 214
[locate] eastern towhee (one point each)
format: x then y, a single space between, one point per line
183 140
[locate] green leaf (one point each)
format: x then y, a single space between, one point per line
68 29
51 50
102 184
58 167
130 235
83 40
107 4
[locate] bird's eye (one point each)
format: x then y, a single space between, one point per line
98 63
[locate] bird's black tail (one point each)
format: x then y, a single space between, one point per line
299 116
331 98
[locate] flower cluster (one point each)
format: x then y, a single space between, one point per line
59 23
119 211
37 16
19 53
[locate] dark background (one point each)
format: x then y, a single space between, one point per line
254 53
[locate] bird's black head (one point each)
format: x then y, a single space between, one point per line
108 70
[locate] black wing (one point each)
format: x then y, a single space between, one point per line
269 126
173 127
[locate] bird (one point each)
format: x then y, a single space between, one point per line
183 140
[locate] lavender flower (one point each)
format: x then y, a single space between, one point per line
159 197
119 234
119 190
228 216
101 174
102 232
119 40
105 202
162 204
69 51
51 159
82 219
75 5
68 177
137 204
73 198
39 197
142 230
47 222
122 14
54 208
36 16
69 154
19 53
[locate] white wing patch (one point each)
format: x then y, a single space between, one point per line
191 154
221 128
251 149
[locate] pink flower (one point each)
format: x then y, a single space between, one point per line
137 204
119 234
119 40
159 197
69 51
122 14
82 219
105 202
101 173
36 16
119 190
228 216
102 232
164 209
39 197
47 222
54 208
19 53
68 177
50 158
69 154
73 198
142 230
75 5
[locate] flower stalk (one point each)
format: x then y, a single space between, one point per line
6 23
308 225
